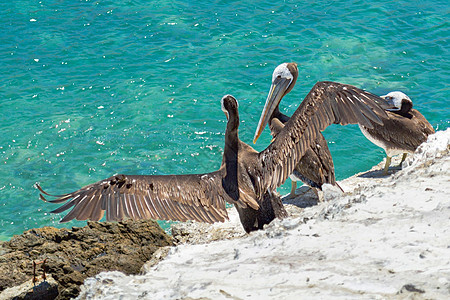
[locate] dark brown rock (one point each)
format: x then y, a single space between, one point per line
73 255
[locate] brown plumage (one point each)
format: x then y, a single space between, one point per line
245 178
316 166
403 130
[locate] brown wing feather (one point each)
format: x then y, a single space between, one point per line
326 103
198 197
316 165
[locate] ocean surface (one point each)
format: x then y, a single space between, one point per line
89 89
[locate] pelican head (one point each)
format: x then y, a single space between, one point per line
283 80
397 99
228 103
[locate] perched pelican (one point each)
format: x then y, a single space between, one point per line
403 130
316 166
244 179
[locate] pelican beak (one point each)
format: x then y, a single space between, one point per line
388 103
277 91
227 115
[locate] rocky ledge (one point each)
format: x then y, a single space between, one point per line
73 255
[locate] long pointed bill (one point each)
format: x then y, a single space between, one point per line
276 93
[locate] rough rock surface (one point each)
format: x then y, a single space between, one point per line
387 237
40 290
73 255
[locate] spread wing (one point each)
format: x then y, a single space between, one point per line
326 103
198 197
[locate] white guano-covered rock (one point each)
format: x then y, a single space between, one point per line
386 237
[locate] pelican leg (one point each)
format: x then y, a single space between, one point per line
386 166
293 188
403 159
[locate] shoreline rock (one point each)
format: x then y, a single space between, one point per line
74 254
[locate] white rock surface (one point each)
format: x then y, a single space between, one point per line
389 238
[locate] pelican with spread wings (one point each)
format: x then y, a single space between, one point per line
245 178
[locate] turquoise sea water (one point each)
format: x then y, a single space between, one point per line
93 88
